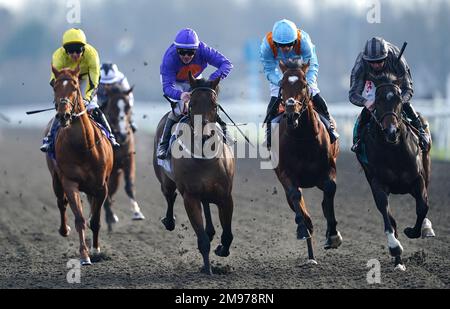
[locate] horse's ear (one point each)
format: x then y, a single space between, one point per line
216 82
76 72
55 71
129 91
305 66
283 66
191 79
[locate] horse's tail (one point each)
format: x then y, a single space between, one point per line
426 158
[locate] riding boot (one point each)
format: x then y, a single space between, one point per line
226 136
321 106
48 141
100 118
363 121
417 123
163 145
272 110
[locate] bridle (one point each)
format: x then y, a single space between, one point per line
396 116
65 101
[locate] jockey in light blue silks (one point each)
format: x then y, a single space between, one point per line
187 54
286 42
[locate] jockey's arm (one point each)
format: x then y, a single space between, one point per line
357 83
270 64
168 80
407 82
93 76
309 54
216 59
126 85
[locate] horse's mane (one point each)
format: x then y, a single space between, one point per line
294 63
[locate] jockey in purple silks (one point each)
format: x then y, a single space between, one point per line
187 53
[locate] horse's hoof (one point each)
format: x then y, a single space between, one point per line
65 233
85 262
206 270
427 229
412 233
137 216
333 242
169 224
400 267
397 251
311 262
222 251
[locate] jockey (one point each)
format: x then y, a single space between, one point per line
75 51
187 53
111 76
285 42
379 57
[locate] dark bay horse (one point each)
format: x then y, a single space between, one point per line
201 180
84 160
306 157
395 163
118 111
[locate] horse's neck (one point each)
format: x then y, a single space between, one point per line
308 124
83 133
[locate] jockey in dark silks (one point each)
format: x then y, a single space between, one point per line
381 57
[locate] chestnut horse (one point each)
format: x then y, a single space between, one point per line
84 160
306 157
395 163
200 179
118 111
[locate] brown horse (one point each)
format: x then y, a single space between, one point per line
306 157
200 180
118 111
84 160
395 163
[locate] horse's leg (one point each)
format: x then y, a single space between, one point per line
209 224
96 207
130 176
64 229
168 188
225 215
73 195
333 237
194 212
381 196
113 184
296 201
423 225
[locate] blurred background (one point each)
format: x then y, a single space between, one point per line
135 35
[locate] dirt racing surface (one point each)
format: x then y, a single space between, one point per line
265 252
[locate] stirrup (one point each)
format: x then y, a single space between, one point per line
356 146
161 152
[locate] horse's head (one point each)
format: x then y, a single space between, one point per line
203 103
118 111
388 104
68 99
294 90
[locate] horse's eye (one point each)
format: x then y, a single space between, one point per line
389 96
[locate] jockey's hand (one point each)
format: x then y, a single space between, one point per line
183 107
86 102
185 97
370 105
